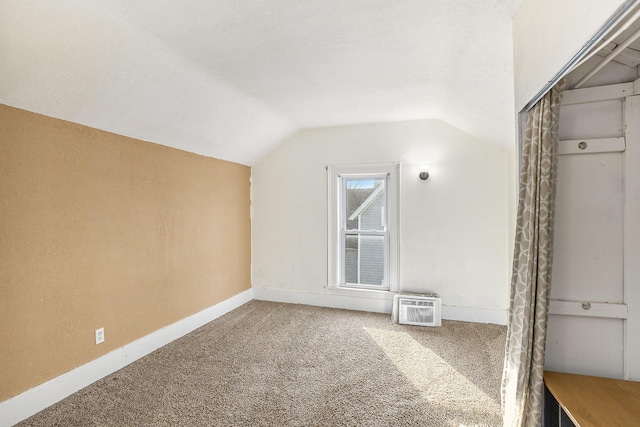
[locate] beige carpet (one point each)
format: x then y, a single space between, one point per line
271 364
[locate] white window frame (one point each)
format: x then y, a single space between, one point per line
336 251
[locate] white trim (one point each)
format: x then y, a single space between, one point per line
373 301
607 46
597 145
629 57
596 94
610 57
32 401
636 87
588 309
474 314
335 252
632 238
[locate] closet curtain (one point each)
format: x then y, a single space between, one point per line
522 381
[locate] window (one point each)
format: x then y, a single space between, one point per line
363 231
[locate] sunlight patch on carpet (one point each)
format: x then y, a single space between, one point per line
436 380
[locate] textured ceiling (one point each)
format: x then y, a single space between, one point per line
232 78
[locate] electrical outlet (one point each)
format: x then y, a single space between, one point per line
99 336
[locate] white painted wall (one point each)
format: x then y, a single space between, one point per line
454 236
547 34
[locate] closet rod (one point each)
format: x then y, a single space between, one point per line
615 19
617 51
609 39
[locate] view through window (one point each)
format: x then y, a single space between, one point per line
363 215
364 231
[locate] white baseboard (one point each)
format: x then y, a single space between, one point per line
474 314
362 300
375 301
32 401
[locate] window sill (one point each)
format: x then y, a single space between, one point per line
363 293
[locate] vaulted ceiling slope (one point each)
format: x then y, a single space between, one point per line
232 78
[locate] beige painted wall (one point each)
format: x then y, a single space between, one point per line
100 230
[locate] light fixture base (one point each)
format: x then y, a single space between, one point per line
424 175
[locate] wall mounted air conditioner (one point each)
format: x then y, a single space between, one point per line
421 310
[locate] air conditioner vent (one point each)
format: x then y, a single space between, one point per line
422 310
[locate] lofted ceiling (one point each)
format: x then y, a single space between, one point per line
232 78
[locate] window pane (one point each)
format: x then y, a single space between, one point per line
365 204
351 258
364 259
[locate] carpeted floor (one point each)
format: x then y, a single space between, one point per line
272 364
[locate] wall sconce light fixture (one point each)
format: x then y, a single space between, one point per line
424 172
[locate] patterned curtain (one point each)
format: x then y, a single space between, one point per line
522 381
